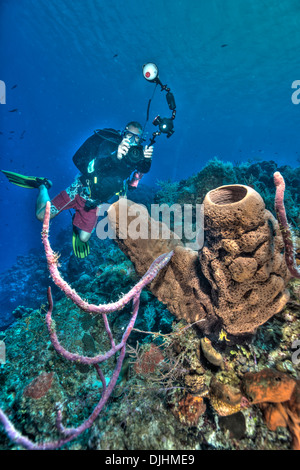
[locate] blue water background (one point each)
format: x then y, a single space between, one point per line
78 66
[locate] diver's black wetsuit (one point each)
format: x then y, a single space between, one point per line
109 172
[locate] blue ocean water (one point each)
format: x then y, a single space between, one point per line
73 66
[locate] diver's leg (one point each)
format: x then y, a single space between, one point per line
42 199
84 236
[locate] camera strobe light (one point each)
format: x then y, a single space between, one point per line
150 71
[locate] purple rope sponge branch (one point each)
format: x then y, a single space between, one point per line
69 434
77 357
284 225
52 259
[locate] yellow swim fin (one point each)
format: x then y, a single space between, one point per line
26 181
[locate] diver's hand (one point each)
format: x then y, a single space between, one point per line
148 151
123 149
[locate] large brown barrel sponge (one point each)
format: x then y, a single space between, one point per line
180 285
243 258
238 279
233 209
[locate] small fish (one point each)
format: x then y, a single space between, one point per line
22 135
11 132
13 110
14 86
224 45
116 55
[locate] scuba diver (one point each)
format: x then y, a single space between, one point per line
110 162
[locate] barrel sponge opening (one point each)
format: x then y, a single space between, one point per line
228 194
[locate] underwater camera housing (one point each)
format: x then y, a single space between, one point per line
135 153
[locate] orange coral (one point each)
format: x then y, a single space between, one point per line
268 385
275 415
278 396
293 411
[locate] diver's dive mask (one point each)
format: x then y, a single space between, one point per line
136 151
134 138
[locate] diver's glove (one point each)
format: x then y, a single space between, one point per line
123 148
148 151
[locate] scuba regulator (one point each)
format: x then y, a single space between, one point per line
165 125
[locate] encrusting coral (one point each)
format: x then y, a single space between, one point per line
189 409
225 399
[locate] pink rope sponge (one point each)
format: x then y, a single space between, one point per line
284 225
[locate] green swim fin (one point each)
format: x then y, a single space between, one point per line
26 181
81 249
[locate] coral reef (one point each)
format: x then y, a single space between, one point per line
42 383
186 394
142 412
256 174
